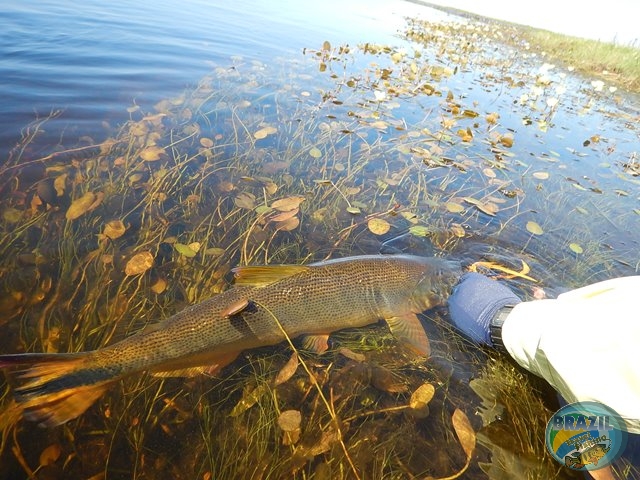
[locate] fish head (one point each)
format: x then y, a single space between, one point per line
436 279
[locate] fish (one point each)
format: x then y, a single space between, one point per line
266 305
590 456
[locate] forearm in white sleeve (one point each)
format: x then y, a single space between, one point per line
585 343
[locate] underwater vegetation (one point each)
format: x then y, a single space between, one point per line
450 144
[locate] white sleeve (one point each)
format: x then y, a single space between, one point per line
585 343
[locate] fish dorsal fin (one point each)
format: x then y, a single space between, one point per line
408 329
261 275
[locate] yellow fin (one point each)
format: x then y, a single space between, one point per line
56 408
262 275
407 329
316 343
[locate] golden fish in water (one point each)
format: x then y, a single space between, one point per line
312 300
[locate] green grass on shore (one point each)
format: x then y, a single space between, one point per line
617 65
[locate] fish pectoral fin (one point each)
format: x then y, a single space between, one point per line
236 307
217 364
316 343
262 275
407 329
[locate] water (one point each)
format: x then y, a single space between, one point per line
94 60
179 131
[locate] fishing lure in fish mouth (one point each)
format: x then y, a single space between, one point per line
266 305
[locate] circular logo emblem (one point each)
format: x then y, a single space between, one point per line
586 435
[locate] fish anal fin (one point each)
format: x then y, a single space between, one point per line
57 408
217 364
316 343
262 275
408 330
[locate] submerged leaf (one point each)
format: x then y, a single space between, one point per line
50 454
287 204
185 250
80 206
114 229
288 370
139 263
152 154
290 420
249 399
464 431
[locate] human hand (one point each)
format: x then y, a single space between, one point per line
474 303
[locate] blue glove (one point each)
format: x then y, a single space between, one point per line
475 301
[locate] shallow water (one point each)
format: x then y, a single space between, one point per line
184 128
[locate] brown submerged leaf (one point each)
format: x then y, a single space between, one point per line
287 204
80 206
464 431
288 370
139 263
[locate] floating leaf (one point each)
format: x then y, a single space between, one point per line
454 207
378 226
534 228
50 454
264 132
114 229
541 175
354 210
464 431
489 208
184 250
80 206
139 263
576 248
507 141
410 217
288 203
206 142
419 231
489 172
152 153
288 370
315 152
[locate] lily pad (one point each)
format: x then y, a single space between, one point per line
378 226
534 228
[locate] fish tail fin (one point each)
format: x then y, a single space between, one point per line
57 387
